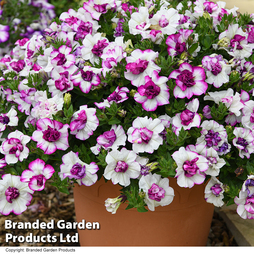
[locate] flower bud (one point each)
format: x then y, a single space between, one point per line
224 42
67 99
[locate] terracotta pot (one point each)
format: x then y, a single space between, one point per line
185 222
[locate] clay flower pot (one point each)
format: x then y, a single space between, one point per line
185 222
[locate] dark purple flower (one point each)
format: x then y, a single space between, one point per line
137 67
156 192
11 193
99 47
190 167
121 167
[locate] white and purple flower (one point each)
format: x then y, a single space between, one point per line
245 201
140 64
121 167
51 135
74 168
84 122
190 169
188 118
86 78
15 195
217 70
157 190
190 80
153 93
144 134
214 192
37 174
8 119
4 33
243 141
111 139
212 135
14 147
118 96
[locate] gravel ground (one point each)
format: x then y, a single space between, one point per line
55 206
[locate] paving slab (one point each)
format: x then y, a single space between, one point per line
245 6
241 229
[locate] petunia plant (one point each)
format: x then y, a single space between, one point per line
136 93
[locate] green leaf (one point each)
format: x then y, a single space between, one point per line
193 48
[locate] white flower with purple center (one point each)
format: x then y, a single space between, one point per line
37 174
214 192
157 190
190 169
60 81
245 202
188 118
86 78
84 122
237 42
94 46
118 96
8 119
243 141
111 57
144 134
139 22
153 93
232 102
165 20
140 64
98 7
14 147
190 80
24 97
111 139
121 167
15 196
74 168
217 70
215 163
177 42
62 57
4 33
212 134
46 108
44 60
51 135
248 115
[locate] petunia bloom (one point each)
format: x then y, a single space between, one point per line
14 147
15 195
74 168
157 190
37 174
51 135
190 80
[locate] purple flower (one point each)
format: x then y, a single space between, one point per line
51 135
189 81
4 33
37 174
